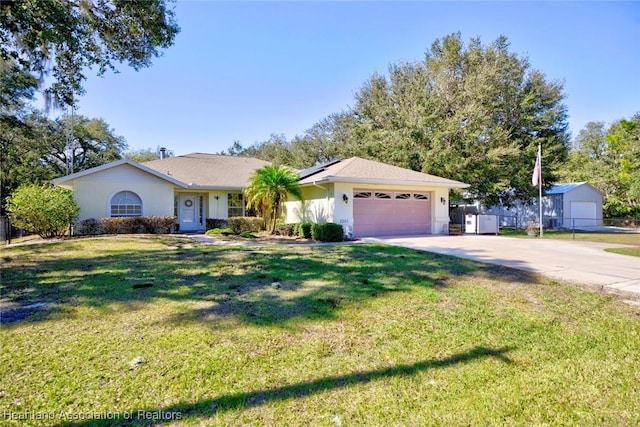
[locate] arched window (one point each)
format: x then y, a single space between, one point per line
126 203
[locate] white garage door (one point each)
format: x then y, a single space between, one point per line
385 213
583 214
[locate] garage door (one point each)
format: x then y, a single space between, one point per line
583 214
385 213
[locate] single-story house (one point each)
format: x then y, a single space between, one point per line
369 198
567 205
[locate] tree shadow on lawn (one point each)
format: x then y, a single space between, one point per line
262 286
209 407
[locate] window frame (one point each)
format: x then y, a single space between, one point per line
125 209
235 197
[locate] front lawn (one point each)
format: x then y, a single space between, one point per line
128 329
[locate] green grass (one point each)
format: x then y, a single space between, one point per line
625 251
354 335
617 238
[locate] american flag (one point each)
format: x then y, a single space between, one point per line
536 179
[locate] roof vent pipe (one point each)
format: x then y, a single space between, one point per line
163 153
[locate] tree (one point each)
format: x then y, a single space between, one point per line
472 113
63 38
609 159
37 151
16 89
148 154
268 190
623 141
275 150
323 142
590 161
94 142
44 209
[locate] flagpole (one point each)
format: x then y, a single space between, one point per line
540 188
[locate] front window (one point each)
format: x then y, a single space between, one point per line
126 203
383 196
362 195
235 204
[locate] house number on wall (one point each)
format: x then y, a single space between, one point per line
188 203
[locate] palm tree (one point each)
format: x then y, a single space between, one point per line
268 190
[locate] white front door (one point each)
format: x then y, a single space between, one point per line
188 212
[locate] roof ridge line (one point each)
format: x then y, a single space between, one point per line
344 163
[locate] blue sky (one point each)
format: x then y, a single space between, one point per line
244 70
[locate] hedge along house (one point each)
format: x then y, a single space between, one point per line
371 198
192 187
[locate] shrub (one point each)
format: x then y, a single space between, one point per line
328 232
305 230
226 231
139 224
287 230
245 224
159 224
110 225
89 227
44 209
213 232
216 223
132 225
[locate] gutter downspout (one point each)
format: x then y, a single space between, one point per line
325 189
320 186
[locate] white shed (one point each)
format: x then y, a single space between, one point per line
578 204
567 205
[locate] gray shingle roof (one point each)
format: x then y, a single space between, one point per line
209 170
360 170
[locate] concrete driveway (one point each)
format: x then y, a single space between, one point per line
579 262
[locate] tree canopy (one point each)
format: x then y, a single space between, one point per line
475 113
609 159
54 43
472 113
61 39
147 154
37 151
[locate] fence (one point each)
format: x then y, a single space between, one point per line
617 225
515 222
8 231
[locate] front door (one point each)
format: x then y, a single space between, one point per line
188 212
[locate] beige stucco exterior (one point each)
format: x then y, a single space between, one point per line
93 192
324 203
160 196
198 186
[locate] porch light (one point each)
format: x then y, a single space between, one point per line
345 198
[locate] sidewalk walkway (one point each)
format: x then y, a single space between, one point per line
578 262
